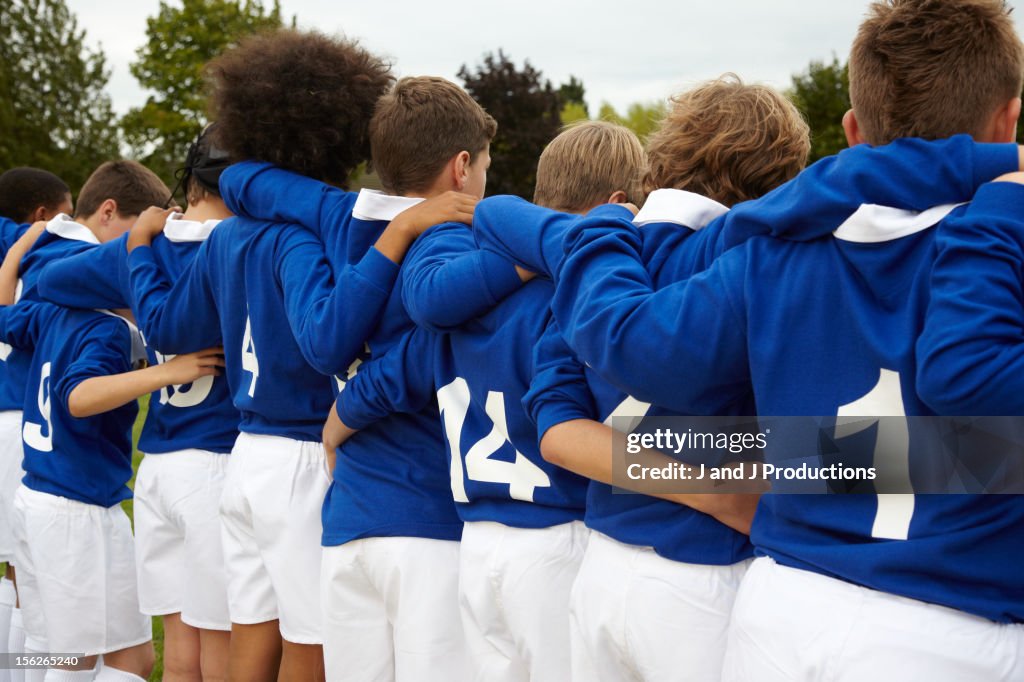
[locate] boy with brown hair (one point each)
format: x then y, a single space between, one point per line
923 587
77 442
523 536
266 269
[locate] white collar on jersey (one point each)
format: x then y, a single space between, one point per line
64 226
678 206
178 230
871 223
375 205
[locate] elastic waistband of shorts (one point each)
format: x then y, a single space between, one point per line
40 500
254 443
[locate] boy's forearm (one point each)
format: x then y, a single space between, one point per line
586 447
97 395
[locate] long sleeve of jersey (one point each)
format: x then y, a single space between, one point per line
530 236
447 280
104 351
971 353
22 323
264 192
558 391
909 173
91 279
401 380
178 318
331 321
682 347
10 232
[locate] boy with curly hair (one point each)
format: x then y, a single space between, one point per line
303 102
390 571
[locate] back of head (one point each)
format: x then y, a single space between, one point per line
728 141
133 186
299 100
25 190
933 68
419 126
588 162
200 176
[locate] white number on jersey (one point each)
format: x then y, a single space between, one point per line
249 362
33 434
635 409
892 450
522 476
189 397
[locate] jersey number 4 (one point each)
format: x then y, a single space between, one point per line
249 362
522 476
892 450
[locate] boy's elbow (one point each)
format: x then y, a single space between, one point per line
79 405
551 447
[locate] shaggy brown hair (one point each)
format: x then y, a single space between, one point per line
727 141
133 186
933 68
300 100
588 162
419 126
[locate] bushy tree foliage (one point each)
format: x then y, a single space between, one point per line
180 40
527 110
54 110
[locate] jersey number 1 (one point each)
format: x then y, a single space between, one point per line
892 450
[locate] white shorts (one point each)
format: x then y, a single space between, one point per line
11 454
790 624
76 576
391 611
637 615
270 513
514 586
178 537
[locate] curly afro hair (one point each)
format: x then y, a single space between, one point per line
300 100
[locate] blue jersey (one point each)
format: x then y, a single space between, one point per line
63 237
479 372
564 389
909 173
10 232
85 459
196 415
390 479
970 352
822 328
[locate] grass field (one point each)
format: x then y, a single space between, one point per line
158 628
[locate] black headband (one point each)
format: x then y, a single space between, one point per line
204 163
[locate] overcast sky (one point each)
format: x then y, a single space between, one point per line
623 51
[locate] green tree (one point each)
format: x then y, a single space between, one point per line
822 94
54 110
180 41
526 108
642 118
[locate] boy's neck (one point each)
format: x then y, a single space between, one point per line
205 209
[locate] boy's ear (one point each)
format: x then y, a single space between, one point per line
852 129
1006 121
460 170
107 211
617 197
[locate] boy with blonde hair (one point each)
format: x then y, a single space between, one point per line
523 538
914 586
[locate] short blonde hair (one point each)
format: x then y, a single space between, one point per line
728 141
586 163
